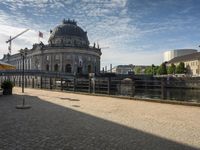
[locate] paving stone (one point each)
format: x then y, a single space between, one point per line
100 123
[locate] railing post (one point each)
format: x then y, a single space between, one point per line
41 82
133 88
93 84
50 83
33 82
162 88
109 85
14 81
25 81
89 85
74 88
61 84
20 81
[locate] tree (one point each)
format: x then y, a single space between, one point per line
171 69
156 69
138 70
162 69
180 69
148 70
153 70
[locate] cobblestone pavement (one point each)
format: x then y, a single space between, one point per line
67 121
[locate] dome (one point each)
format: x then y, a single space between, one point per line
68 34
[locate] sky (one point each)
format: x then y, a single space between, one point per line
129 31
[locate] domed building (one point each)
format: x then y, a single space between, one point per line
67 51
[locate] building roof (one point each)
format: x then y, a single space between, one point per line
68 29
188 57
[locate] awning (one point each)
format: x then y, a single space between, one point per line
6 66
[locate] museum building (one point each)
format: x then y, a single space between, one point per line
68 50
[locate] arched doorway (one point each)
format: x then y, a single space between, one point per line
68 68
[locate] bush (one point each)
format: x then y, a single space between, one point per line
7 84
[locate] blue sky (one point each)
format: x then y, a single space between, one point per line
136 31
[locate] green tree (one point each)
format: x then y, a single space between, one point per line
156 69
180 69
171 69
162 69
153 69
148 70
138 70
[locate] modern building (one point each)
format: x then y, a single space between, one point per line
191 61
67 51
168 55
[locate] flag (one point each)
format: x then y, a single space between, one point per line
40 34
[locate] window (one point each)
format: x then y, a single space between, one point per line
68 68
47 67
79 70
48 57
57 57
56 67
89 69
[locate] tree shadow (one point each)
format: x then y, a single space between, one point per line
50 126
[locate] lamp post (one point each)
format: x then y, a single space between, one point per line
23 54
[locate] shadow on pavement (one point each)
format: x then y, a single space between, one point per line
47 126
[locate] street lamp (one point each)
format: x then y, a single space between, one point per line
23 53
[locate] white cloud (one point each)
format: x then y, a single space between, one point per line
25 40
107 21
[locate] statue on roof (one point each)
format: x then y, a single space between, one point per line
69 21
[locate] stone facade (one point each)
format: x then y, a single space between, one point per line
67 51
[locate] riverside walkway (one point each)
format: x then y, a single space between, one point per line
68 121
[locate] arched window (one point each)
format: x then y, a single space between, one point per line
89 69
56 67
68 68
47 67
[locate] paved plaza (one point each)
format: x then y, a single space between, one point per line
68 121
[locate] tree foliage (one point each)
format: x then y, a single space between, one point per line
148 70
151 70
162 70
138 70
171 69
180 69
